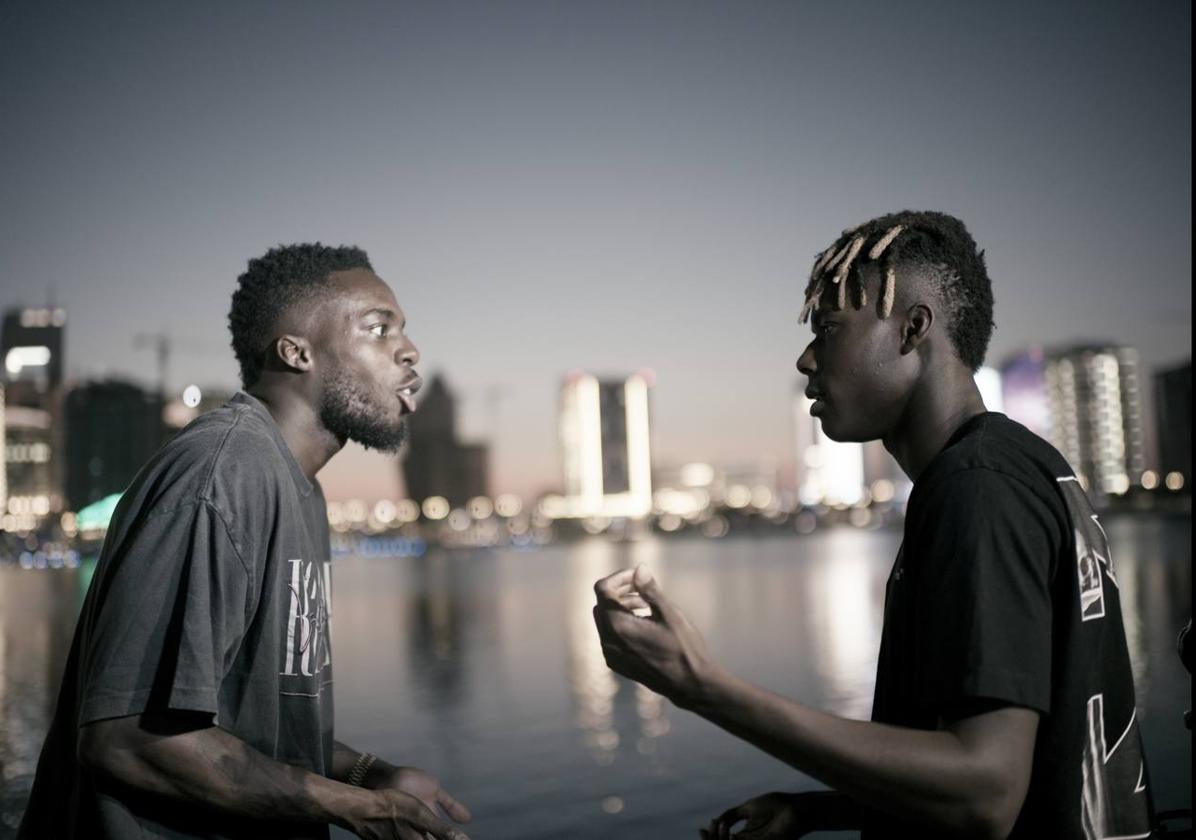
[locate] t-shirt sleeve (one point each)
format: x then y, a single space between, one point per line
983 583
171 612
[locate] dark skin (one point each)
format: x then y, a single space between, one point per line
356 331
898 380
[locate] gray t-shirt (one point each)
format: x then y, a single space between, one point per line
211 595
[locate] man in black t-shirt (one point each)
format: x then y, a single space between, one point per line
197 698
1004 699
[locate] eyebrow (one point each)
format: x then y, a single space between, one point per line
378 310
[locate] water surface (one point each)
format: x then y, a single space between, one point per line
483 667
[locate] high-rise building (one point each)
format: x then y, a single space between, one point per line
605 438
828 472
3 455
435 462
1095 411
31 344
112 429
1173 414
1024 391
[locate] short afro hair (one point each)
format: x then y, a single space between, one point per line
273 283
937 246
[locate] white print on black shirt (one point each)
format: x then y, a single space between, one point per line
1107 769
307 649
1113 777
1093 562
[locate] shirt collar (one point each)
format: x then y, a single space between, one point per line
259 409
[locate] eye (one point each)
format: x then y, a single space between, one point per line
380 330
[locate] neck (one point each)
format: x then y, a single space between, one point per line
299 422
937 408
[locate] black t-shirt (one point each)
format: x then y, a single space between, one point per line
1004 591
210 595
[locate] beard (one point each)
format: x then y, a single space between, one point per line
349 411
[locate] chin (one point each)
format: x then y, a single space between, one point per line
840 433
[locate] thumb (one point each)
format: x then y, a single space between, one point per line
647 586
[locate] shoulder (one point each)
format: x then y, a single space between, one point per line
222 458
997 472
996 452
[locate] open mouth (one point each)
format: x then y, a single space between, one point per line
406 394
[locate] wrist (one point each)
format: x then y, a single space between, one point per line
344 805
378 775
704 688
361 766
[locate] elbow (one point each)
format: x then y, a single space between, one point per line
93 748
989 826
103 746
993 816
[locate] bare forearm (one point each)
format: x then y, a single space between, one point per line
926 776
211 767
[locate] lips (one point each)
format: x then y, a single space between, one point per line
406 393
819 399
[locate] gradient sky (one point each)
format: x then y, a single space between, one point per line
598 185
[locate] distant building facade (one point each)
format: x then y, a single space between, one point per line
1024 391
1173 415
112 429
605 439
31 344
1095 414
435 462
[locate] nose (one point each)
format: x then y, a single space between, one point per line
407 353
805 362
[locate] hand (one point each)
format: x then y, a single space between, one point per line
662 650
773 815
422 785
390 814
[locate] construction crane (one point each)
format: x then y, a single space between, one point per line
163 345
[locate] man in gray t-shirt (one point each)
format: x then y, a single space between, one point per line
197 698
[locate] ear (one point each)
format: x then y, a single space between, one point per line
294 352
915 327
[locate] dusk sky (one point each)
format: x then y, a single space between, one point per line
607 186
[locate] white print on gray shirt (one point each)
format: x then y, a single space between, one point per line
307 648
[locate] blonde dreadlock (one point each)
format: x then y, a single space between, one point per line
841 264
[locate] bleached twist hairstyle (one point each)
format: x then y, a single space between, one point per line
936 246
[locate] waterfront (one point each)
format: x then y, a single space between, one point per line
483 667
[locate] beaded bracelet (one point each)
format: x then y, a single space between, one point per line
360 767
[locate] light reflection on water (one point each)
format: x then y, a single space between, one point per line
484 668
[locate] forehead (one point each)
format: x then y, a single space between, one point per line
359 291
828 301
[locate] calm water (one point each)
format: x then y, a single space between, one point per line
483 667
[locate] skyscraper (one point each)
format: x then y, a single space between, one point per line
606 455
827 471
1173 414
435 462
31 344
112 429
1024 391
1095 413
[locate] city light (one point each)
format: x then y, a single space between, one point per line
385 511
19 358
436 507
508 505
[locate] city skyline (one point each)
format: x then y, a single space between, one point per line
588 186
